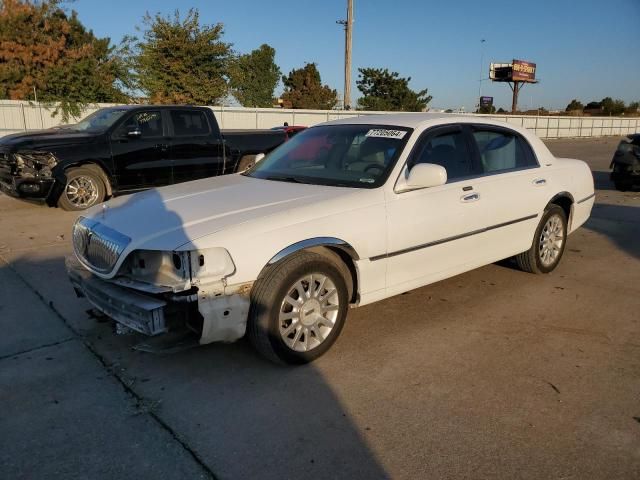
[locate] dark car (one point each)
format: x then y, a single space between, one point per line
626 163
124 149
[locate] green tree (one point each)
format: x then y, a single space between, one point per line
254 76
593 106
612 107
387 91
633 108
303 89
486 109
179 60
574 105
43 47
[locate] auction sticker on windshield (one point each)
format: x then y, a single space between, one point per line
384 133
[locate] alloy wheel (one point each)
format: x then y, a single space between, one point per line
308 312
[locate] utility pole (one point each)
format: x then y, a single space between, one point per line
348 28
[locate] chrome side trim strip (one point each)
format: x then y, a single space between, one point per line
450 239
315 242
587 198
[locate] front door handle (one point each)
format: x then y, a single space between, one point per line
472 197
538 182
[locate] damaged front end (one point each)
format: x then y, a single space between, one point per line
156 292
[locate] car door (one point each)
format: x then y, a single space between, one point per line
433 232
140 152
514 189
196 148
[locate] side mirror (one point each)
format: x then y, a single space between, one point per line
259 157
423 175
134 132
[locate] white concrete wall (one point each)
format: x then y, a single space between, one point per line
16 116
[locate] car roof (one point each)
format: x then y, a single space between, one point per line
422 121
145 106
415 120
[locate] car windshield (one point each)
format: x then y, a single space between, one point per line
99 121
360 156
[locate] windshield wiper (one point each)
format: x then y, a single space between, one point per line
279 178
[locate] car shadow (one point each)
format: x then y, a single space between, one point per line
243 416
619 223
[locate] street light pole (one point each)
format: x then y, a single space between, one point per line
348 27
480 77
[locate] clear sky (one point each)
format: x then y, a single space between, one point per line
585 49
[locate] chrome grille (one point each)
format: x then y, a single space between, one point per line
97 246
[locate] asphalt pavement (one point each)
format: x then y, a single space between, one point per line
491 374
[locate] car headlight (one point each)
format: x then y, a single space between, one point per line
180 269
35 163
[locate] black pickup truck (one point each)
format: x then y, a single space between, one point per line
124 149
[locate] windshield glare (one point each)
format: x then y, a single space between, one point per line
99 121
360 156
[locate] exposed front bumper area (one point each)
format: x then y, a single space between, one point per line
35 189
142 313
214 314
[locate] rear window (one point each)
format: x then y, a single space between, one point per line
189 122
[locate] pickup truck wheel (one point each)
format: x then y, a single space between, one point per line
548 243
298 309
246 163
84 188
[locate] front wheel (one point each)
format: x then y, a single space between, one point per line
84 189
298 308
548 243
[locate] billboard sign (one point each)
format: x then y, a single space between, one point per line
486 102
522 71
500 71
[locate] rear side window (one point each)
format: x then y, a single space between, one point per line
449 150
189 123
502 151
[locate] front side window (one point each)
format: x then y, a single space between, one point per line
501 151
149 124
359 156
98 121
450 150
189 122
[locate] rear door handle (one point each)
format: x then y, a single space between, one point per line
472 197
539 182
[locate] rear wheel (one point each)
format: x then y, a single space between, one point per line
622 185
298 308
548 243
246 163
84 189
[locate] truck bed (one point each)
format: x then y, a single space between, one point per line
254 141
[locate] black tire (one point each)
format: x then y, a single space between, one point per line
622 185
268 296
531 260
246 163
83 175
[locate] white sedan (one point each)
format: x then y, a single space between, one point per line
347 213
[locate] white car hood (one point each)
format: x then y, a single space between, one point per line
166 218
